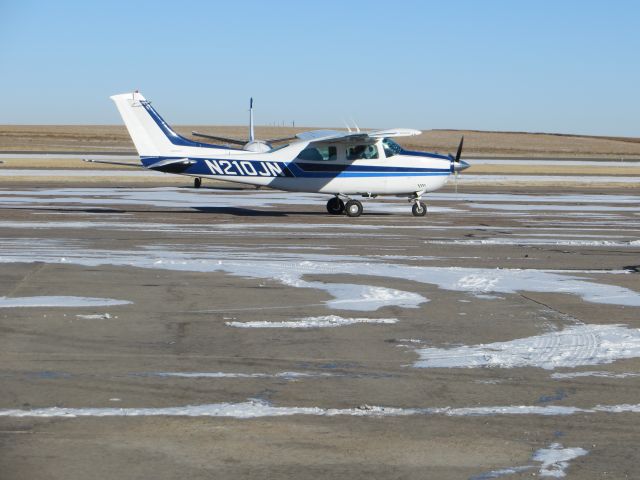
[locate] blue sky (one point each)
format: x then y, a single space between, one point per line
553 66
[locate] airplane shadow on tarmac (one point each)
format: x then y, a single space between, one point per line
233 211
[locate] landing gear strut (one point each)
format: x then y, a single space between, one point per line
335 206
197 182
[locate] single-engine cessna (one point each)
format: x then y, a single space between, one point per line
338 163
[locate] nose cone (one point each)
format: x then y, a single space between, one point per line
460 166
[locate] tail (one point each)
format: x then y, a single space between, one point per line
151 135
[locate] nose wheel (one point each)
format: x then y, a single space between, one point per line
419 209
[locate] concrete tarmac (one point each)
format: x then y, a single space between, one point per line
495 337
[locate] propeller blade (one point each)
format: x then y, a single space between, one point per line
459 153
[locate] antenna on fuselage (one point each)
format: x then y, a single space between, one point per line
251 134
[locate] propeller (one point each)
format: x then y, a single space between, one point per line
457 164
252 145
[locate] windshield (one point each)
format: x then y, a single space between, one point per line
391 148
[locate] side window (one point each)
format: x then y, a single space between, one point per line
387 151
330 153
391 148
362 151
317 154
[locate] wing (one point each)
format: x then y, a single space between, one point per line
336 136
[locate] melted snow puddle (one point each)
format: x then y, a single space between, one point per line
572 347
554 459
257 409
328 321
59 301
289 269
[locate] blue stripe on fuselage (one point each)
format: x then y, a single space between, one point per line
261 168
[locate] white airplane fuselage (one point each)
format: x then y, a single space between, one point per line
282 170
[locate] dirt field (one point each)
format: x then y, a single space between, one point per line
112 138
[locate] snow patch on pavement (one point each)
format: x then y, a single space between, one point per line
572 347
96 316
289 268
284 375
555 459
600 374
59 301
258 409
327 321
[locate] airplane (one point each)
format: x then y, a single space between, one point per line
341 164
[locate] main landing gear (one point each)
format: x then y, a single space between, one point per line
353 208
197 182
335 206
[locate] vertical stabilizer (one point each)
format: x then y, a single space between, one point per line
148 138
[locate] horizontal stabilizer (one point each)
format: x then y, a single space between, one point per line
169 162
124 164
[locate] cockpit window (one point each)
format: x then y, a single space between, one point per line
391 148
318 154
362 151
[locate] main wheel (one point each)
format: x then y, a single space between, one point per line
419 209
197 182
353 208
335 206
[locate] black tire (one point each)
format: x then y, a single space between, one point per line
335 206
353 208
197 182
419 209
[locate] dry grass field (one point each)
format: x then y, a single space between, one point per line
113 138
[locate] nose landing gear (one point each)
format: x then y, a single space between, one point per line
419 209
